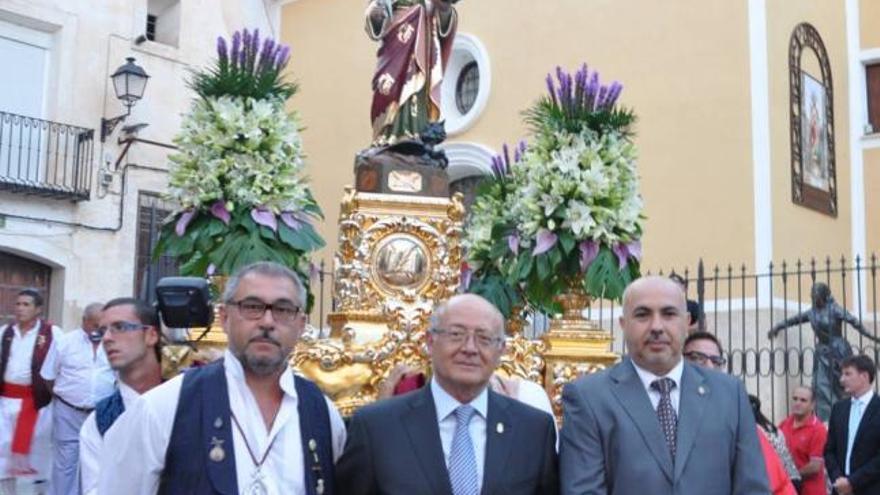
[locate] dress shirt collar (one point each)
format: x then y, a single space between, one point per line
234 371
647 377
864 399
33 331
446 404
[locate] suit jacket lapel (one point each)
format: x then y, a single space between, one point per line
629 391
424 434
693 398
498 443
870 411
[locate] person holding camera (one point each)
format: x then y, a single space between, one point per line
242 424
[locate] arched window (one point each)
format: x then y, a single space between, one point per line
813 171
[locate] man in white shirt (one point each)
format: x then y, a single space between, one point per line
25 421
455 435
130 335
621 432
246 423
852 451
78 374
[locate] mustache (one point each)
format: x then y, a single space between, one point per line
656 337
264 337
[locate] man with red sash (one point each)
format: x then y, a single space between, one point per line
24 395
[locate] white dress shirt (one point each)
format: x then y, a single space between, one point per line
446 405
647 378
21 353
81 372
91 444
143 433
856 413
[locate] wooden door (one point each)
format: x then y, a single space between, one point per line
17 273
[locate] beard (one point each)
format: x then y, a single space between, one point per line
262 365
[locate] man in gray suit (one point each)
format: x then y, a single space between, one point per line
654 424
454 436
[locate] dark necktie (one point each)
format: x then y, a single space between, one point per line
665 411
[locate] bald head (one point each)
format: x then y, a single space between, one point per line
652 283
654 323
470 301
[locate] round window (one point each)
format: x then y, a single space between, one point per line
467 87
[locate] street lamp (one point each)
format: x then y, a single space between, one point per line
129 82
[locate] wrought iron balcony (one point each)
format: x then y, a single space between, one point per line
45 158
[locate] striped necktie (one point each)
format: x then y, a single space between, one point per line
462 460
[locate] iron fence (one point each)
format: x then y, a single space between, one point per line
45 158
739 307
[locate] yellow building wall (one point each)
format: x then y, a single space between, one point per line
872 200
684 65
869 30
799 232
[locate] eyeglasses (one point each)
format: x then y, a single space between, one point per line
122 327
254 309
699 357
459 336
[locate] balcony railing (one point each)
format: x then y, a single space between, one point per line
45 158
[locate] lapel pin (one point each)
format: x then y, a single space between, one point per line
499 427
218 423
216 454
313 445
319 487
701 390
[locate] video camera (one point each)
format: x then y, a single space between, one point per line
184 302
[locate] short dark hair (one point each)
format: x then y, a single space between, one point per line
862 364
701 335
145 313
33 294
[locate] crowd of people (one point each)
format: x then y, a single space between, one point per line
87 411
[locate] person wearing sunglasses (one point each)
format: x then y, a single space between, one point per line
242 424
129 330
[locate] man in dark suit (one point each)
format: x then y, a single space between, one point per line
852 452
454 436
654 424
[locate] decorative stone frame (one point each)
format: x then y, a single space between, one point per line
465 49
802 193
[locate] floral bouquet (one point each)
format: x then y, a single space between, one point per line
484 271
237 175
571 217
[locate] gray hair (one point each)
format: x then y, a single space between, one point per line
441 308
267 269
92 310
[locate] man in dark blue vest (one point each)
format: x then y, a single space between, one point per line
243 424
130 330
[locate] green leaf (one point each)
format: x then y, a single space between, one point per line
567 241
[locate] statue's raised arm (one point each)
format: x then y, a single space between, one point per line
416 41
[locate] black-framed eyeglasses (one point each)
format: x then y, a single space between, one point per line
702 358
122 327
459 336
254 309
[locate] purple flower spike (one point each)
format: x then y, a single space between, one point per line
265 217
218 209
222 54
236 46
283 57
496 167
513 243
544 242
184 220
506 164
551 89
589 250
